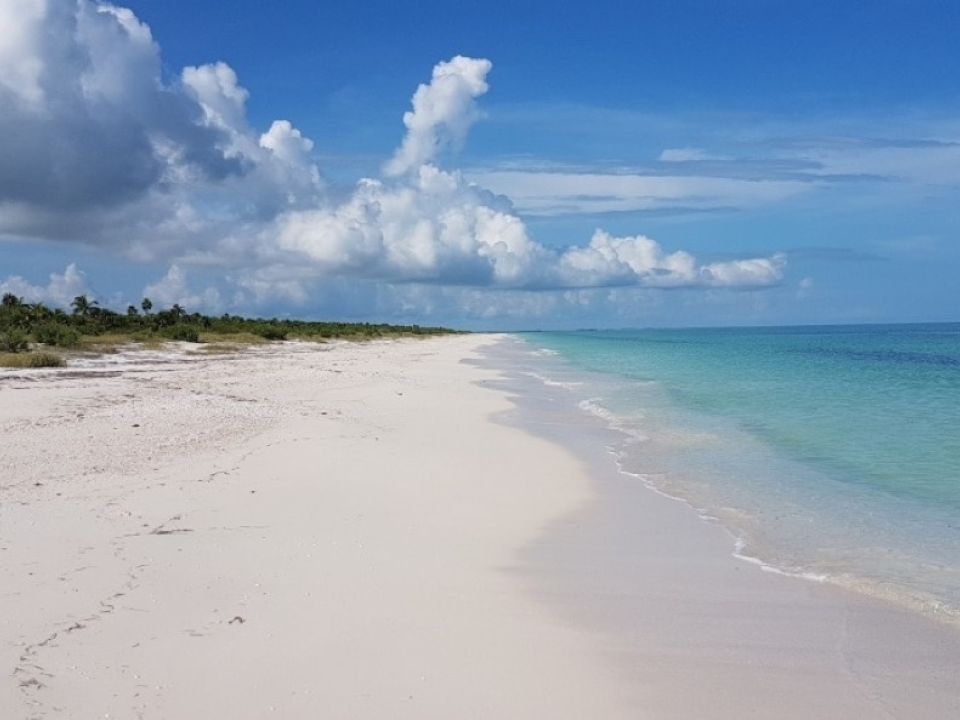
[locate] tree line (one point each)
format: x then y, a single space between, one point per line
24 324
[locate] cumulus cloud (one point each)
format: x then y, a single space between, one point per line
217 91
438 228
100 146
85 114
609 261
174 288
60 291
432 228
443 112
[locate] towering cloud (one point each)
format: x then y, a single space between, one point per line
100 147
443 112
84 116
97 145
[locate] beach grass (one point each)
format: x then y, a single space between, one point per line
234 339
36 359
105 343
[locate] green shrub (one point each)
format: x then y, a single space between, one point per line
57 335
271 333
185 333
31 360
13 341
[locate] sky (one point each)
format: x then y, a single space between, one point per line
486 165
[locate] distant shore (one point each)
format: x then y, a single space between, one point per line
391 529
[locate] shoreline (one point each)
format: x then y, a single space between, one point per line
745 626
754 539
394 529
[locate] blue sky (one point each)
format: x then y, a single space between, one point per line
749 162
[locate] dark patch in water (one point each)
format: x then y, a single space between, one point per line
883 356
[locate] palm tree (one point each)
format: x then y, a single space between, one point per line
147 306
85 308
11 301
131 311
81 305
178 311
38 312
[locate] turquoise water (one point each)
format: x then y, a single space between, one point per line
828 451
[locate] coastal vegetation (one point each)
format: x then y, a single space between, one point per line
29 332
38 359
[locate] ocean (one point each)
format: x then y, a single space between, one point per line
827 452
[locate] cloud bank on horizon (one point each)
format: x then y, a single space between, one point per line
100 148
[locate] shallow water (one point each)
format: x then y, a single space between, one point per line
832 452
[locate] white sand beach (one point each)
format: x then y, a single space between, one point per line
350 531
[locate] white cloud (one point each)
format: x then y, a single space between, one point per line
100 147
752 272
216 89
437 228
805 287
923 165
60 291
687 154
443 112
558 193
611 261
174 288
261 288
20 67
286 142
433 227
